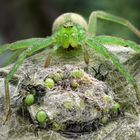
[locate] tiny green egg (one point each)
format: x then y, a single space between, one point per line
57 77
41 116
29 99
49 83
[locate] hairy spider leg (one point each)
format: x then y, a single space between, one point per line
50 54
99 68
92 25
13 57
22 44
35 47
108 55
17 47
86 55
110 40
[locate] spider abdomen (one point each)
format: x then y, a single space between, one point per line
73 17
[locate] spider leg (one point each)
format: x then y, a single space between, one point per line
86 56
47 61
98 75
13 57
94 70
22 44
106 16
99 68
51 53
35 47
105 76
108 55
109 40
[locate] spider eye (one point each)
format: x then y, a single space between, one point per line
68 24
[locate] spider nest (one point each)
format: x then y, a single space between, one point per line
74 101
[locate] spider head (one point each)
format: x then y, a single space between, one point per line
69 28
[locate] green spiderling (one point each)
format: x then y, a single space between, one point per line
41 116
57 77
29 100
77 74
49 83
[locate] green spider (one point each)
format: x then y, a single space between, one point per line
70 30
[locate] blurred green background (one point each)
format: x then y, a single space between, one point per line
21 19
